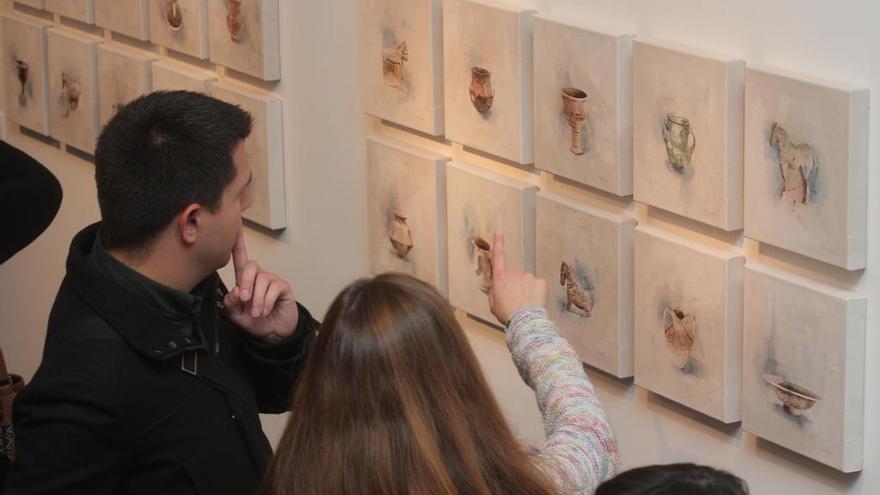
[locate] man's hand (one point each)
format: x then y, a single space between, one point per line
512 289
261 303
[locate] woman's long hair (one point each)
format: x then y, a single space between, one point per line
392 401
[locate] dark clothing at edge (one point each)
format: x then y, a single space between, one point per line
144 389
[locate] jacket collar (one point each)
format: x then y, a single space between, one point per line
142 325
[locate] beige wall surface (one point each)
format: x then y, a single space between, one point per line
325 244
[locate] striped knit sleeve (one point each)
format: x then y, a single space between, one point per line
580 451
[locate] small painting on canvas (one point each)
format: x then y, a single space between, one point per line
688 322
804 366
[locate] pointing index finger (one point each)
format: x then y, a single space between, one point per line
239 254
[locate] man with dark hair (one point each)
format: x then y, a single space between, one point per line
153 373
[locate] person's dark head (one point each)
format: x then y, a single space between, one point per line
173 157
674 479
392 400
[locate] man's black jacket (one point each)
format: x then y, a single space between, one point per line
124 402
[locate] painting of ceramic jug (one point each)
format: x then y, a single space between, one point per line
23 71
173 15
234 20
484 263
680 334
392 64
574 103
481 91
680 141
72 93
400 235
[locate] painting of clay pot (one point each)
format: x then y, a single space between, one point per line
576 296
482 93
235 20
797 164
680 330
574 102
72 93
484 263
392 64
23 70
400 235
680 141
173 15
793 398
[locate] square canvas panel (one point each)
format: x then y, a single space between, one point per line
37 4
804 366
688 134
180 25
402 59
265 152
244 36
487 57
688 323
128 17
171 76
583 119
480 203
80 10
586 257
406 210
25 71
806 166
123 75
73 88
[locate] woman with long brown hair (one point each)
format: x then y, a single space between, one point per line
392 400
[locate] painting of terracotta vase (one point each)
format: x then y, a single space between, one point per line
482 93
400 235
235 20
793 398
23 72
574 102
680 141
392 64
173 15
484 263
72 93
797 163
575 295
680 334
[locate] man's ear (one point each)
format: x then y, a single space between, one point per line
189 223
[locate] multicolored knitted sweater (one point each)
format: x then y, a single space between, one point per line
580 451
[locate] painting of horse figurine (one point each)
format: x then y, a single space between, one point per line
797 165
576 296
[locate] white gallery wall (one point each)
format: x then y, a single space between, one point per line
325 244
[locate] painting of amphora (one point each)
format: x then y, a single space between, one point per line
481 90
574 103
680 141
235 20
484 263
400 235
392 64
793 398
680 333
575 295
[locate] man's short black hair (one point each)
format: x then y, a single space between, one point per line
674 479
157 155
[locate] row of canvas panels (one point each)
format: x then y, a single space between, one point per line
782 156
241 35
66 84
735 341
